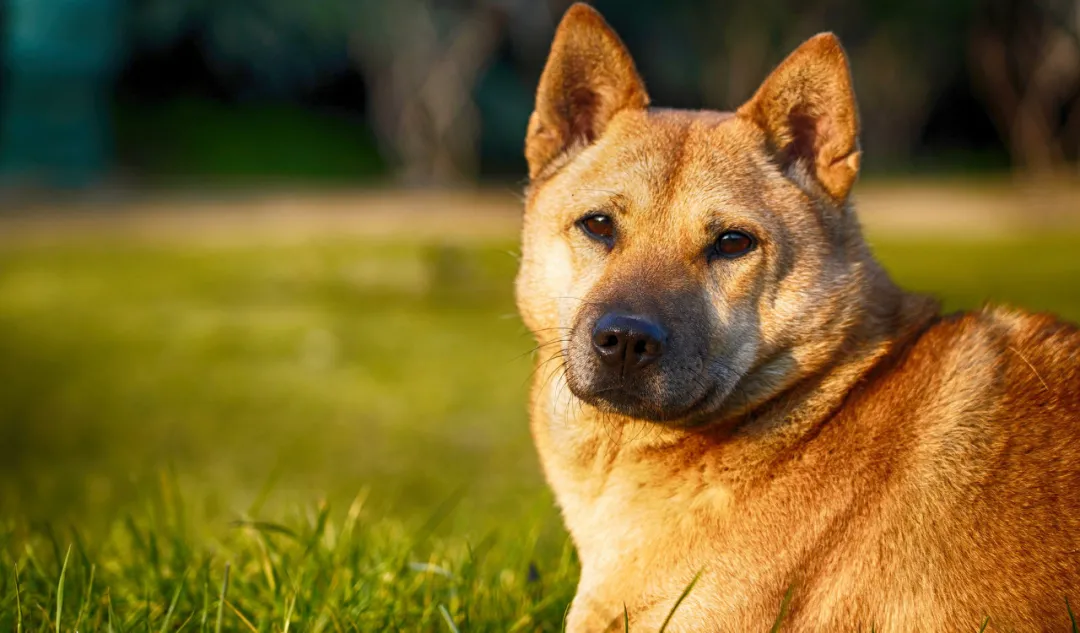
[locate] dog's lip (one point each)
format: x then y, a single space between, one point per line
691 411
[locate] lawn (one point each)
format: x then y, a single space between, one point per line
317 436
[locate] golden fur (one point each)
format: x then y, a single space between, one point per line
815 428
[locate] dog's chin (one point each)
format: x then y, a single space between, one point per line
624 402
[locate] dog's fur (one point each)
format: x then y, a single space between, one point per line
810 427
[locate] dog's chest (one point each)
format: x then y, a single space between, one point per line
645 528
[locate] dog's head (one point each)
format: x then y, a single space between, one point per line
688 264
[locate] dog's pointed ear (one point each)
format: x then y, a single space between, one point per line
588 79
808 112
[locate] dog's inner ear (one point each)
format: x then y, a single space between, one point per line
807 109
588 79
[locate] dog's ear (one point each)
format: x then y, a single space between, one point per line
589 77
807 109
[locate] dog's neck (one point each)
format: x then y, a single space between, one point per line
800 411
883 320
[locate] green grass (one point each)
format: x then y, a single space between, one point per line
339 427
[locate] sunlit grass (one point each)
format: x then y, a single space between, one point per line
341 423
314 571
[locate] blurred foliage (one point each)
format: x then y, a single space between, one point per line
59 59
200 138
441 89
268 46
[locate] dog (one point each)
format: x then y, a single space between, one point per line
744 421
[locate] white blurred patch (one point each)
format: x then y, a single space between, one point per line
320 349
402 274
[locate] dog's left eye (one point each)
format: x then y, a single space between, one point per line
599 227
734 244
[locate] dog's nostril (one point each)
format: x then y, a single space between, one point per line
627 341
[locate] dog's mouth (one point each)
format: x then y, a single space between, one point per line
644 404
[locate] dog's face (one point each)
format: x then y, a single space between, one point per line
685 264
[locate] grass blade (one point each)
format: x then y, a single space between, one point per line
784 604
183 625
205 598
264 492
243 619
985 622
289 611
86 598
449 620
221 600
172 605
1072 618
443 510
266 526
320 529
626 618
685 593
108 599
18 601
60 590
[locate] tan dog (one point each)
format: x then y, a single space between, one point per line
729 384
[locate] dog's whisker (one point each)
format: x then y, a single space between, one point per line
539 347
557 355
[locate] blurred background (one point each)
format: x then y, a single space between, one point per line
256 265
265 248
437 92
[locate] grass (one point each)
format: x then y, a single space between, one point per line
327 436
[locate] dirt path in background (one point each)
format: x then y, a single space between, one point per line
954 209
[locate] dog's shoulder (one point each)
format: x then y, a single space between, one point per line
980 381
1034 357
995 351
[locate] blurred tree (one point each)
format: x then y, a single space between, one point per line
903 54
446 80
262 47
423 62
1025 56
60 57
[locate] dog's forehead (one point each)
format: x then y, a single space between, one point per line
672 162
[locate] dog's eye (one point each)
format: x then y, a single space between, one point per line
598 227
734 244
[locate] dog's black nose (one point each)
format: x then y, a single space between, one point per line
627 341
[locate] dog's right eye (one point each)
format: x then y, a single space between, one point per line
599 227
